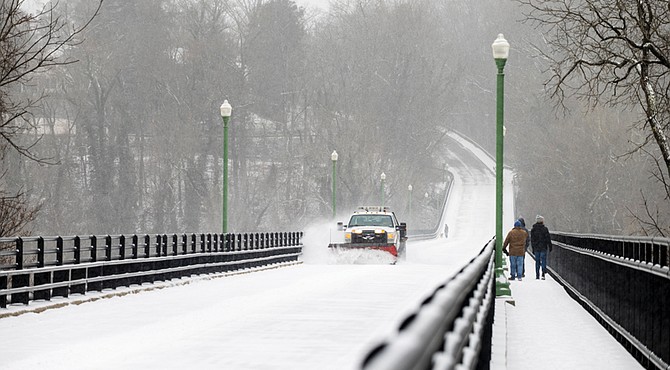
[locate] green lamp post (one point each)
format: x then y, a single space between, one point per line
383 178
500 53
333 158
226 111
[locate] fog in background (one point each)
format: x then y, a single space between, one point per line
135 131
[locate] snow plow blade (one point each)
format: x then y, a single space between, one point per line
390 248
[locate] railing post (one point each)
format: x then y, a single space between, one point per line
147 246
133 249
202 243
59 251
184 244
40 252
3 297
194 243
165 253
175 241
19 254
158 245
94 248
108 248
122 247
77 250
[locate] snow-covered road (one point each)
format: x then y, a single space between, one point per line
314 315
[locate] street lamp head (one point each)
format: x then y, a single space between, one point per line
226 109
334 156
409 187
500 47
383 176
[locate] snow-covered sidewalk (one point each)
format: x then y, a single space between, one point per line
547 329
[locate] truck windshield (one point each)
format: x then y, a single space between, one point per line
371 220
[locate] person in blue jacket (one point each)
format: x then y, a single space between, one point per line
540 241
516 240
525 250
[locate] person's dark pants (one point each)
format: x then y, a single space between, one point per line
540 260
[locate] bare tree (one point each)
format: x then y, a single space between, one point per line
613 53
15 214
29 44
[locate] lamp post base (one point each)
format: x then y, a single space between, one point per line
502 285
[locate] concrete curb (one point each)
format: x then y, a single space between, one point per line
499 340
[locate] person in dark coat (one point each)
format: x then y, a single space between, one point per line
516 240
540 241
523 260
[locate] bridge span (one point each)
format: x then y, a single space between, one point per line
310 315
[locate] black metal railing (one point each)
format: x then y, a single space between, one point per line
655 251
440 226
43 267
452 327
624 283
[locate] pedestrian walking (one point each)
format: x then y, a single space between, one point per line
540 241
516 240
525 250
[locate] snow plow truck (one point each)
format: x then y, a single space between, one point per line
372 227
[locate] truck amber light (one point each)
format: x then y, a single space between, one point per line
391 236
379 231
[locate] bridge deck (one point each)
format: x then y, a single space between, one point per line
546 329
